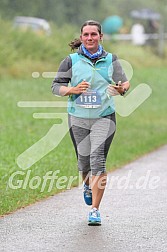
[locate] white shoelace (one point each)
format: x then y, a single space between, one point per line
94 212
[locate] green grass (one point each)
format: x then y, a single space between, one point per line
141 132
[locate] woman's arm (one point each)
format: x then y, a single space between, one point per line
79 89
62 79
119 77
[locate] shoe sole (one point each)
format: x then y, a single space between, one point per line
94 223
89 204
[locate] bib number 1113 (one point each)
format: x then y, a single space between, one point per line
88 99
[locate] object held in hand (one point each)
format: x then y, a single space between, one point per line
124 92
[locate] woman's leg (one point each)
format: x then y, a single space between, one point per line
79 132
98 185
86 178
101 137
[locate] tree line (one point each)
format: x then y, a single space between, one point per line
77 11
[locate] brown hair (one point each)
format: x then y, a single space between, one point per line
77 42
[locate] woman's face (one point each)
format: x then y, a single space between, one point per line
90 38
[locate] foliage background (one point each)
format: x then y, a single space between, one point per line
77 11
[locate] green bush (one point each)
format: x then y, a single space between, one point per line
20 50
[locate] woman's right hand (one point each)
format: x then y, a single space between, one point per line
80 88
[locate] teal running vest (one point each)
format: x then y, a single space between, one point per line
96 103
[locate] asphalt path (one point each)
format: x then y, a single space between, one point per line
133 211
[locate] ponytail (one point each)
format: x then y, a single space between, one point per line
75 44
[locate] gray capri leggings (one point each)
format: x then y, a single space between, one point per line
92 139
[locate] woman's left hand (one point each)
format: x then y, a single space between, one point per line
118 89
114 90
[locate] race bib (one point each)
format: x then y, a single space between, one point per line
90 99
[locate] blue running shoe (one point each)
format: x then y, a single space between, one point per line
87 195
94 218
